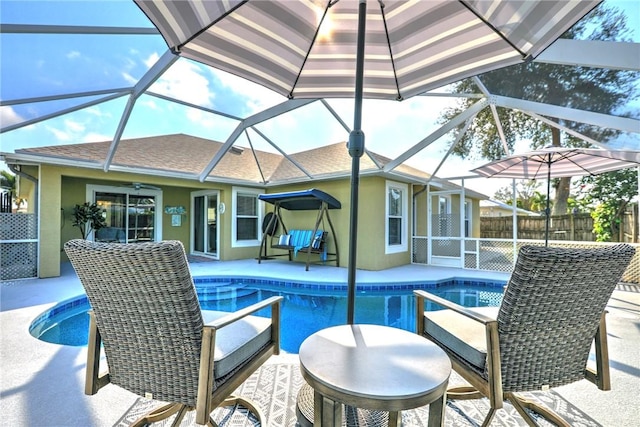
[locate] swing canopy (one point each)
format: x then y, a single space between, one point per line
303 200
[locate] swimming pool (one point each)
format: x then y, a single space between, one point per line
306 307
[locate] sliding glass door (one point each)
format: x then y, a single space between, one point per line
205 223
130 214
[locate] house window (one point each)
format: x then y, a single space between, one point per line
246 215
444 217
468 210
396 217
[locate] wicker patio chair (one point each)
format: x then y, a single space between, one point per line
157 341
540 337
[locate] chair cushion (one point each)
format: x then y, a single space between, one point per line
460 334
237 342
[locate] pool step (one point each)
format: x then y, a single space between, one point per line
223 290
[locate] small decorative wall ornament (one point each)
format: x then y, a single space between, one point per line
175 210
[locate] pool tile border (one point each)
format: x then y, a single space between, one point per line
382 286
204 291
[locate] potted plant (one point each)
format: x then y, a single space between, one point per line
87 217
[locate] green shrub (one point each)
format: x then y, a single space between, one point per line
87 217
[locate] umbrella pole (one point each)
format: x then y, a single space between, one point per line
547 211
356 149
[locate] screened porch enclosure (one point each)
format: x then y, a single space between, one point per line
446 233
440 231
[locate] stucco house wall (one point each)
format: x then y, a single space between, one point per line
371 222
66 172
64 187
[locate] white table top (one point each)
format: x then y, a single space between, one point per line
374 367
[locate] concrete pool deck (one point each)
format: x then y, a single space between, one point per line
42 383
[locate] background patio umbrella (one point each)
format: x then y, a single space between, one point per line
558 162
385 49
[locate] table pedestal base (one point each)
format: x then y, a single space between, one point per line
351 417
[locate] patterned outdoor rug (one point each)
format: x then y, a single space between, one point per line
275 386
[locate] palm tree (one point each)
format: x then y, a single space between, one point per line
539 202
7 181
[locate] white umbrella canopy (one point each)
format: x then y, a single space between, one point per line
558 162
307 49
391 49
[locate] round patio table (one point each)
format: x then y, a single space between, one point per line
376 368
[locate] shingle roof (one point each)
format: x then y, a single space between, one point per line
175 153
189 155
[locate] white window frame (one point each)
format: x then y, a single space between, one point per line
235 243
192 234
468 217
444 217
92 189
404 245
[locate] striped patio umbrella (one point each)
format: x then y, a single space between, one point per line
387 49
558 162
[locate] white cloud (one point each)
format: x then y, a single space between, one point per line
151 104
197 116
257 97
129 79
210 126
183 80
96 137
73 54
58 134
74 126
71 131
8 116
152 59
98 112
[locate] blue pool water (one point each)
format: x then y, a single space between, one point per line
306 308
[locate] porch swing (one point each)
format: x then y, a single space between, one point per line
310 241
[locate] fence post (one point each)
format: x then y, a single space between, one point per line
634 224
573 227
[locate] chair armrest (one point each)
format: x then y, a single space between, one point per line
422 295
492 387
206 380
237 315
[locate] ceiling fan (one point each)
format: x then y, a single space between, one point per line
139 186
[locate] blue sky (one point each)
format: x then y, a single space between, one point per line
36 65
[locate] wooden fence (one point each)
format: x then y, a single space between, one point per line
630 229
561 227
577 227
